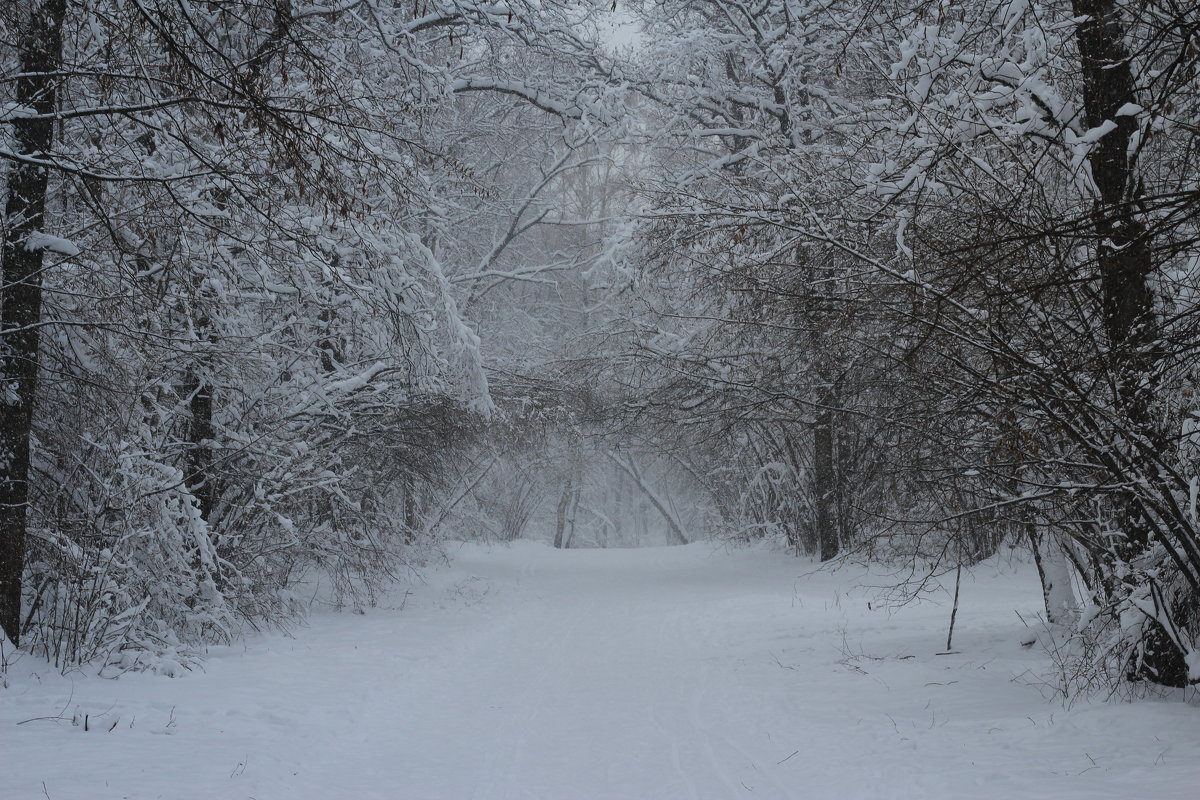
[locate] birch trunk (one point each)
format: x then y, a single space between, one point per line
561 517
1054 569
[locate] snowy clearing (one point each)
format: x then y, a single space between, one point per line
529 672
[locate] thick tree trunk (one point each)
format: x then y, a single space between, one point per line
1126 265
796 528
1122 251
825 486
40 50
842 470
199 479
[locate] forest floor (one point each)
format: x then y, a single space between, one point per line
688 672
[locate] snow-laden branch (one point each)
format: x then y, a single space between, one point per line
108 177
535 97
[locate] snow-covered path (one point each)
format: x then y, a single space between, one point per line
526 672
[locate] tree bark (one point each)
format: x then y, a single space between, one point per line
572 514
797 524
410 508
825 486
40 50
1126 264
199 479
1123 252
563 502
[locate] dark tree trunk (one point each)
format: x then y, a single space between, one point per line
40 50
199 479
796 526
825 485
842 472
1125 263
1123 251
410 509
328 345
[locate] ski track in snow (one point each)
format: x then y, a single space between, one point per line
525 673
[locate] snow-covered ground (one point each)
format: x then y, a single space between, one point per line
688 672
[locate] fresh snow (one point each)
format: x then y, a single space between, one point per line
55 244
686 672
